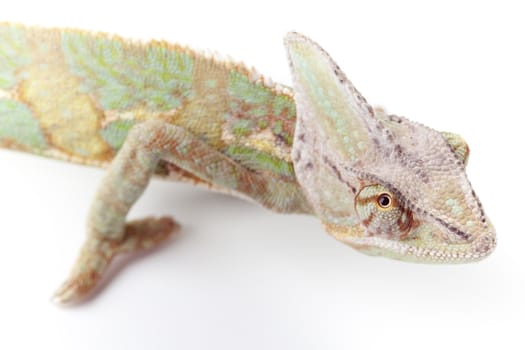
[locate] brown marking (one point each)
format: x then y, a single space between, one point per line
12 144
480 207
405 226
394 118
369 219
366 200
456 231
338 174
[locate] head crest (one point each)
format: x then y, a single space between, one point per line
349 159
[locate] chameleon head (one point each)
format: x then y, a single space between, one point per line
380 183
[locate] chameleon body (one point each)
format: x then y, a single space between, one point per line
378 182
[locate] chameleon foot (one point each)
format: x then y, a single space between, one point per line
97 253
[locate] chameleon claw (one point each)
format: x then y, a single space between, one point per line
60 297
73 290
97 254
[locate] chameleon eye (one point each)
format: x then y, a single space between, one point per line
381 214
384 200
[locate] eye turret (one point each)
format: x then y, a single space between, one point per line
382 214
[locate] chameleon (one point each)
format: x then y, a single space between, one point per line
378 182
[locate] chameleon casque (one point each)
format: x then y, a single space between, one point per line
380 183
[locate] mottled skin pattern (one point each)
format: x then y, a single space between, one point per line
378 182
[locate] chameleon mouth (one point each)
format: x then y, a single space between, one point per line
421 250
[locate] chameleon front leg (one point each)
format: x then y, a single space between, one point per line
108 234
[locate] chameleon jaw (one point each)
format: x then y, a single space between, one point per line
422 248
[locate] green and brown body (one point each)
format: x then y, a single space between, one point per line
74 95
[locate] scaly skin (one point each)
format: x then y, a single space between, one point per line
72 95
378 182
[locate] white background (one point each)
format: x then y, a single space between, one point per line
241 277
